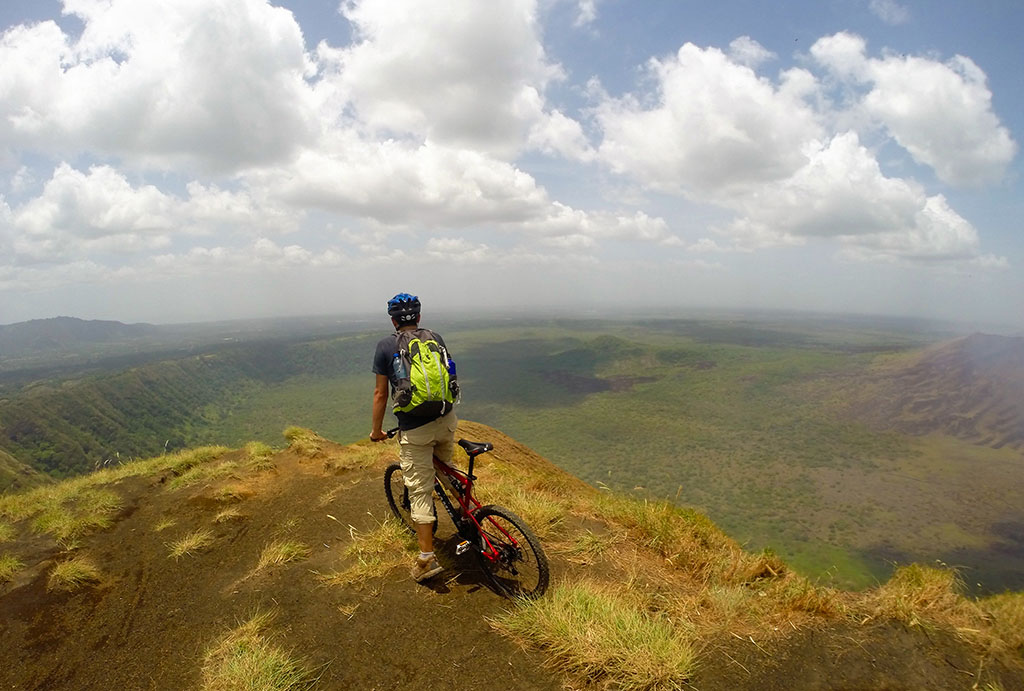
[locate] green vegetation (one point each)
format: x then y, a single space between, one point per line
9 565
6 531
623 644
73 574
245 658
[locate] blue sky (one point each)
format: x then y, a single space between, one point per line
213 159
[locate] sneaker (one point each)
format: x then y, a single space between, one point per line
424 569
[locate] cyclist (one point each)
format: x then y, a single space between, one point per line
419 438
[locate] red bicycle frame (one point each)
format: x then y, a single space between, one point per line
463 492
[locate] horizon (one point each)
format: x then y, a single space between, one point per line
196 162
897 322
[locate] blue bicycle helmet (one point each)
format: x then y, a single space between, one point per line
404 308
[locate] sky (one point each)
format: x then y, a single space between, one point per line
193 160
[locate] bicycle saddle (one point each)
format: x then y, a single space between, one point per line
475 448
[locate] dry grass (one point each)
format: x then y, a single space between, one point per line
1005 613
920 596
6 531
191 544
164 524
70 512
260 456
228 514
246 658
231 494
592 631
73 574
304 442
9 565
203 473
360 455
281 552
375 553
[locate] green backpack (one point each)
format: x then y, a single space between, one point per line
427 386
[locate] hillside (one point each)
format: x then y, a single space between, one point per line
177 572
971 388
67 427
65 333
15 475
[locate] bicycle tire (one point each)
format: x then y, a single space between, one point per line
398 497
521 571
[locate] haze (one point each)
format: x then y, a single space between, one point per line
214 159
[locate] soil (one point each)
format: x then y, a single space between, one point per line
148 624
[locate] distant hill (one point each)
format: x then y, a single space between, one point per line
65 333
15 475
971 388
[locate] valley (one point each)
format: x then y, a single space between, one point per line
802 436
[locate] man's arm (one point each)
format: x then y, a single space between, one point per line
380 404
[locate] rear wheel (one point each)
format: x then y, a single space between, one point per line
398 497
520 568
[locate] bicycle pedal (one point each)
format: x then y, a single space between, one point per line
462 547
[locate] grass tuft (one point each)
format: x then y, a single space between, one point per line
1005 613
164 524
192 544
925 596
245 658
70 512
6 531
9 565
587 629
260 455
73 574
228 514
181 462
281 552
304 442
376 552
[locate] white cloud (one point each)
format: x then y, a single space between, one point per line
80 213
215 83
842 194
564 226
470 76
456 250
889 11
586 13
716 130
396 183
96 211
746 51
941 113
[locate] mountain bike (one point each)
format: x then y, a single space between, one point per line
506 549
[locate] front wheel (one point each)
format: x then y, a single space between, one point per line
398 497
512 556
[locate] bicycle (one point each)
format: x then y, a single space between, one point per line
506 548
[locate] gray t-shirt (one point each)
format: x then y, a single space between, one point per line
382 359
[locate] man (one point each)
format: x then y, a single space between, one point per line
420 438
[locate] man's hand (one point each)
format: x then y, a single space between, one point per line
378 435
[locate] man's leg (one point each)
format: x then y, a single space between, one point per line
416 452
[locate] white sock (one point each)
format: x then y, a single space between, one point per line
424 556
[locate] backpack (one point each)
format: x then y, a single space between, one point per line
427 385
